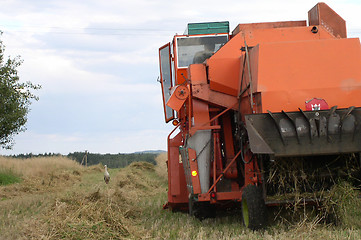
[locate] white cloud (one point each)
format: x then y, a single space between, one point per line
111 142
98 63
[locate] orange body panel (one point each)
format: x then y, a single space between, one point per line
225 66
178 97
290 73
176 180
180 76
201 90
197 73
200 108
200 114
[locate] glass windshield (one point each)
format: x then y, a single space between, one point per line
197 49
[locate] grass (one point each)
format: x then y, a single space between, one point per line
66 201
344 205
7 176
39 166
164 224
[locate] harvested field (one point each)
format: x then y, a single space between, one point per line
76 204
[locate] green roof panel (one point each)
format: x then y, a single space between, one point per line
207 28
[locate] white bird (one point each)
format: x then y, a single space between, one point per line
106 175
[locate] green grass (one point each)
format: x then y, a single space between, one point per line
8 177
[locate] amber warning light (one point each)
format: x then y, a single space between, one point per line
175 122
194 173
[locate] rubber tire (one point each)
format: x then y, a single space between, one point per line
254 212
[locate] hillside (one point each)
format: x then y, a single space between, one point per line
56 198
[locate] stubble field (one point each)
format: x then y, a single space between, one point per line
55 198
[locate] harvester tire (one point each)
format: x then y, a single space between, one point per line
254 214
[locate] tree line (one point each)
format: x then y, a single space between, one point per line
114 160
119 160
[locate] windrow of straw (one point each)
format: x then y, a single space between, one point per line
343 205
101 211
332 183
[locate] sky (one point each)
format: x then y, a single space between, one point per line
97 62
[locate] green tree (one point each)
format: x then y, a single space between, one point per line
15 99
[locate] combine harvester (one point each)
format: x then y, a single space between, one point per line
268 112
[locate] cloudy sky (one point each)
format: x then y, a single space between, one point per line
97 62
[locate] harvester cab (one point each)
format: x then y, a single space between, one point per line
271 110
199 42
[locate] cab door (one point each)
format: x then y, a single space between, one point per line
165 62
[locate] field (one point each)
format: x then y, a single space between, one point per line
56 198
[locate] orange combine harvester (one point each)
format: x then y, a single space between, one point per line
243 103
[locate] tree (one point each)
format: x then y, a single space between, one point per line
15 99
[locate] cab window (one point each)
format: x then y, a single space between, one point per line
196 49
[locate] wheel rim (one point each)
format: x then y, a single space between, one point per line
245 213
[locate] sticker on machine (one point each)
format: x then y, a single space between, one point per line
316 104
